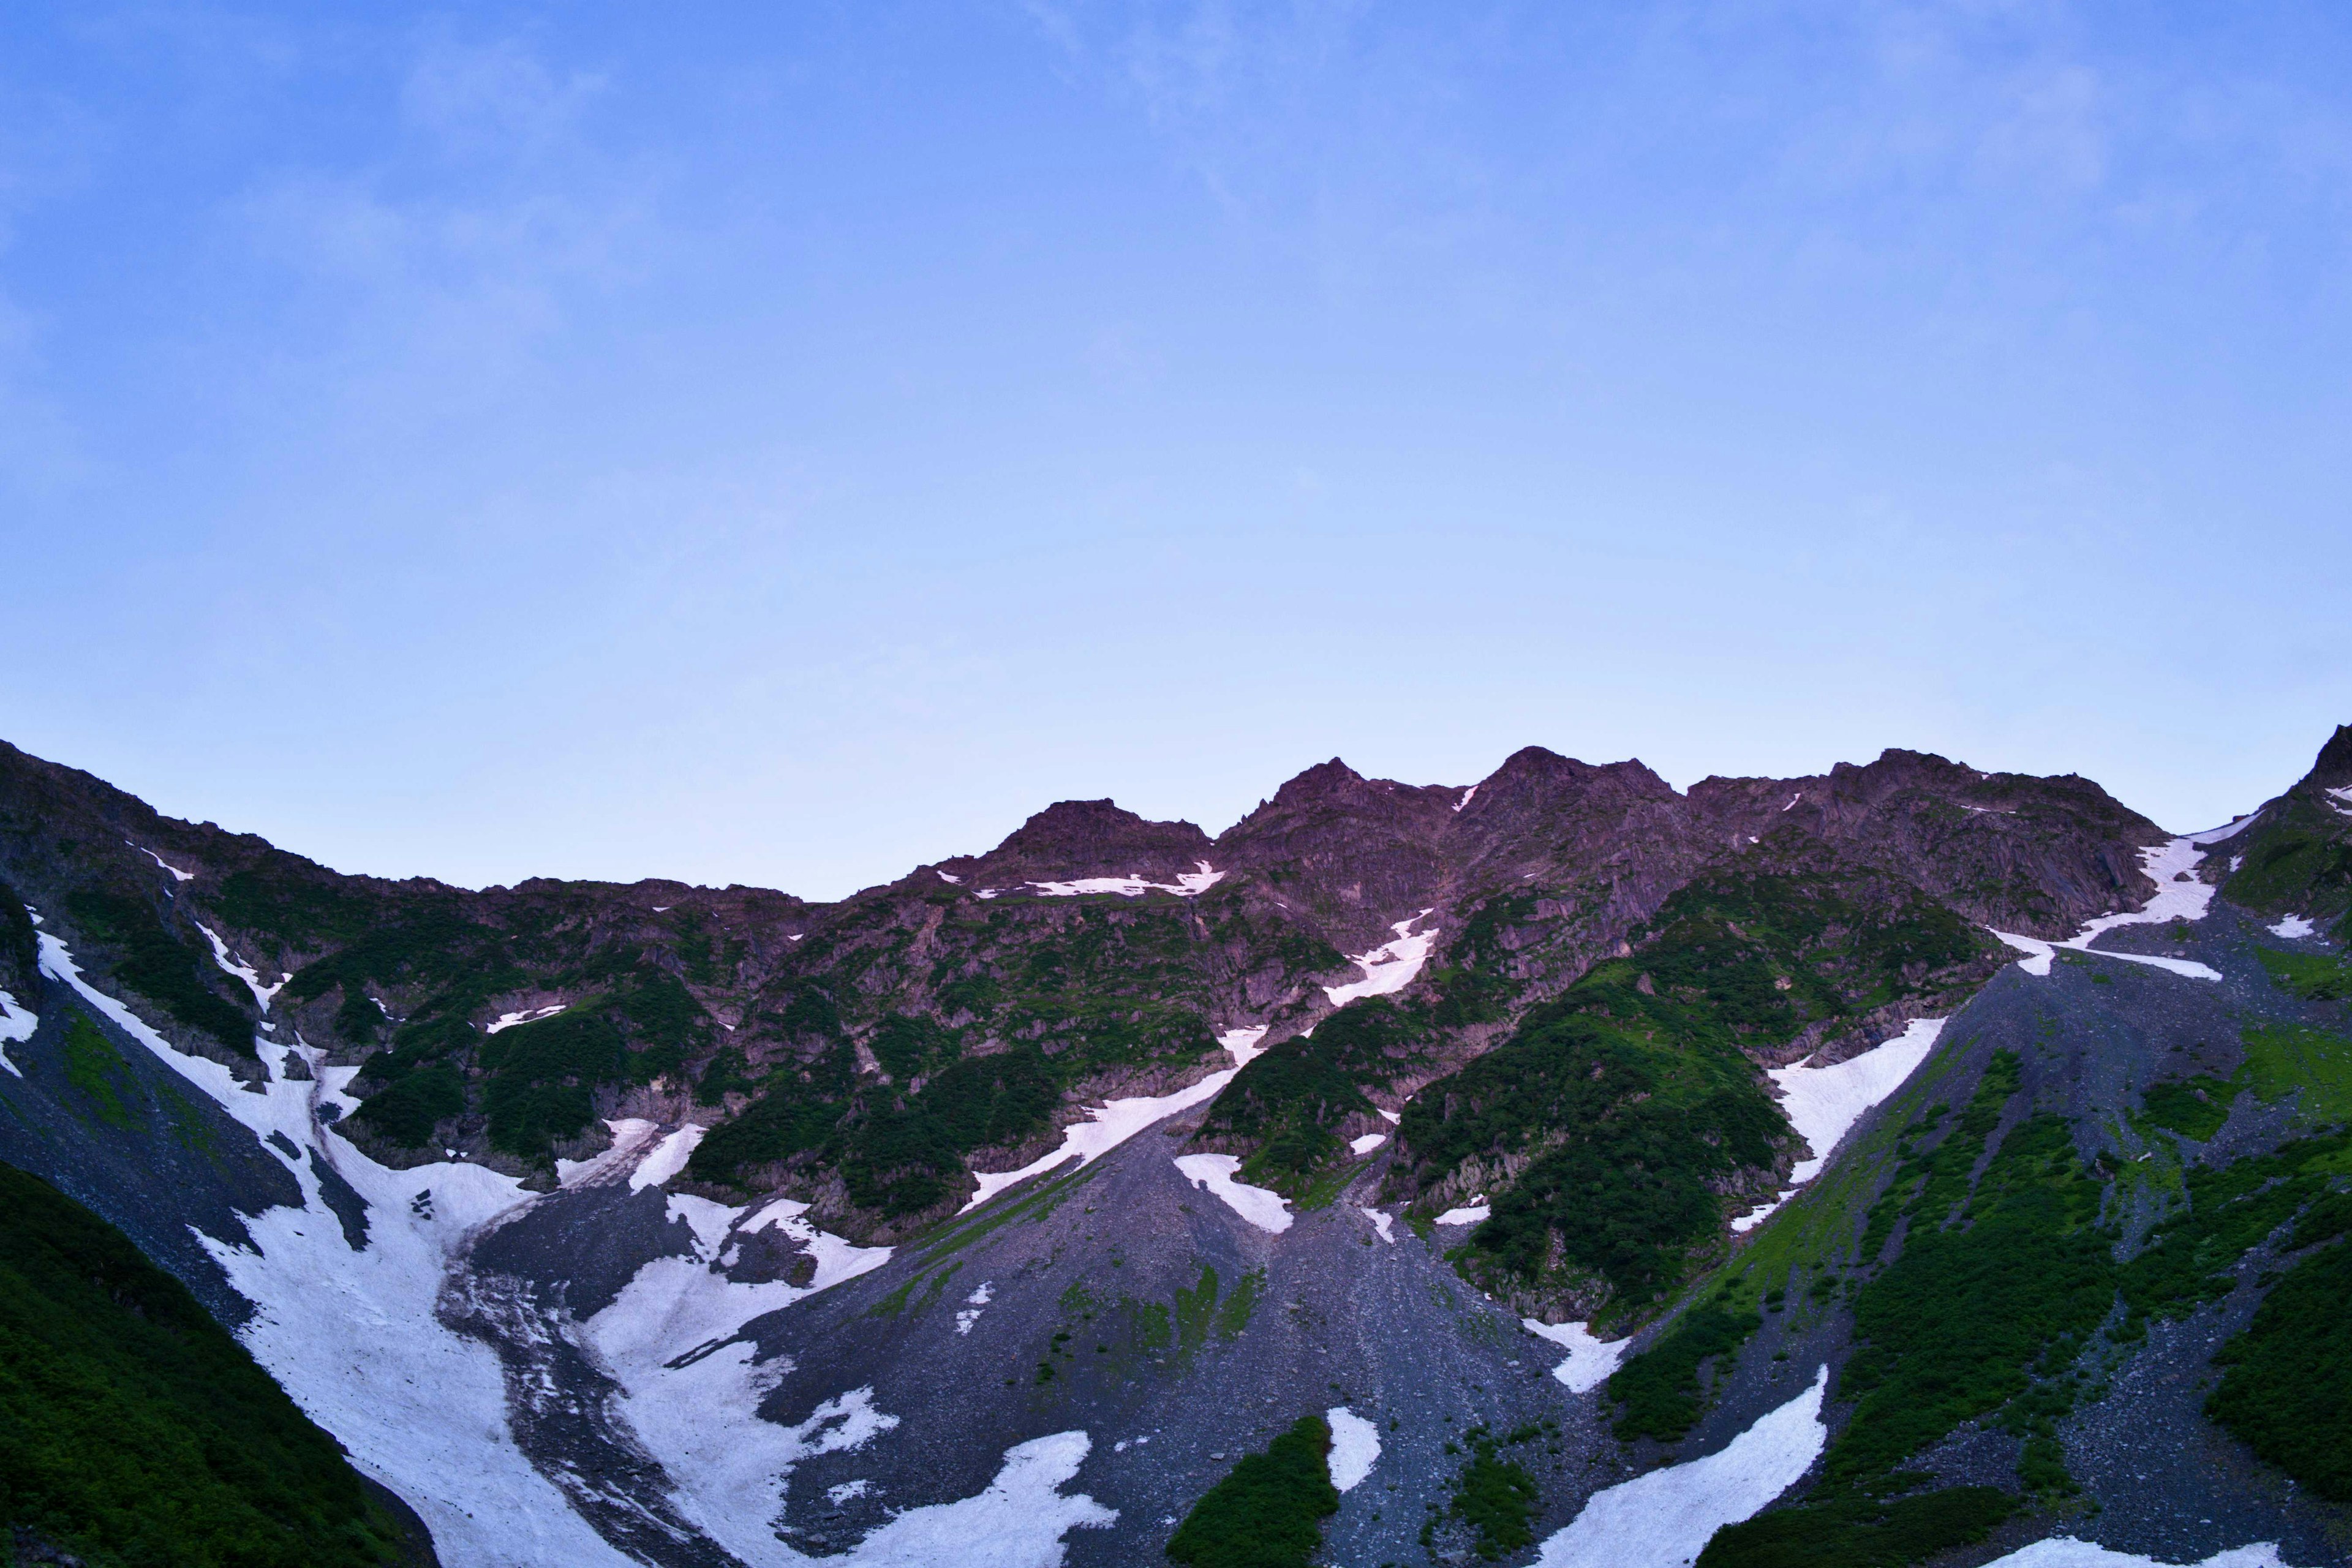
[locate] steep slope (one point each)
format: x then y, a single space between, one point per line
996 1213
133 1430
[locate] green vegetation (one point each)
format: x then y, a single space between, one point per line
1632 1095
1291 1101
2284 1057
96 1068
2314 977
1660 1387
156 964
2190 1258
2195 1108
1862 1527
1637 1132
135 1433
1270 1512
1495 1496
1981 1316
2288 1388
2298 863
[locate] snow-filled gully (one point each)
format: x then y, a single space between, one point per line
2179 895
524 1437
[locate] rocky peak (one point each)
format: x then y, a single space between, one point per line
1075 838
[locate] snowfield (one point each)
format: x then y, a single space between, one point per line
1589 1361
1389 967
1665 1519
1270 1212
2179 896
1355 1447
2065 1551
1187 885
1115 1121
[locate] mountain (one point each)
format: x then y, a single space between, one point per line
1911 1163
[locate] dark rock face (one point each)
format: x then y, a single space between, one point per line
1075 839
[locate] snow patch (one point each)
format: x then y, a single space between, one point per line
837 1257
1187 885
1792 802
16 1022
2065 1551
1475 1213
1355 1445
1367 1144
1018 1523
261 993
669 1157
971 1313
1666 1517
1589 1360
1389 967
2342 798
629 1136
2292 927
177 874
951 881
1822 1103
1380 1222
1394 1117
532 1015
1268 1211
1115 1121
1458 806
2179 895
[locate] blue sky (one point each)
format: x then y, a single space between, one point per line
785 443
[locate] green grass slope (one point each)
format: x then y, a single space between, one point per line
136 1433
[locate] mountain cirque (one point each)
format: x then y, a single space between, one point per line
998 1213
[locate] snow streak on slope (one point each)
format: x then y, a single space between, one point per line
2292 927
1389 967
1664 1520
1115 1121
15 1024
1187 885
1589 1360
353 1334
1822 1103
1355 1447
2179 896
1266 1210
2065 1551
245 971
177 874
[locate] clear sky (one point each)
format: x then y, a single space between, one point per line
787 442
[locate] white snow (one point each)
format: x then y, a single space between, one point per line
1380 1222
1589 1360
177 874
1018 1523
2179 896
837 1258
1792 802
1665 1519
1115 1121
1268 1211
1355 1445
1475 1213
847 1490
952 881
1367 1144
629 1135
669 1157
261 993
1394 1117
1187 885
1822 1102
16 1022
2343 798
2065 1551
1389 967
2292 927
971 1313
1756 1216
1464 801
530 1016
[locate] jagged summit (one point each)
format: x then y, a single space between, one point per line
1075 838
